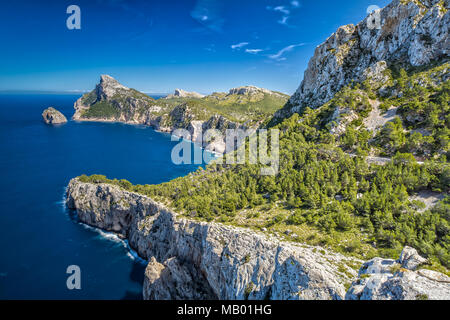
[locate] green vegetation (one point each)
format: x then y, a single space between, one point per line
321 194
423 107
324 196
236 108
102 109
248 290
247 108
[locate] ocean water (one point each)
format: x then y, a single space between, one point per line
39 237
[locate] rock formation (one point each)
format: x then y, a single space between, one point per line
179 93
411 33
199 260
112 101
53 116
387 279
252 90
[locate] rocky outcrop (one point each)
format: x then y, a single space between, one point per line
111 101
53 116
179 93
252 90
387 279
410 33
198 260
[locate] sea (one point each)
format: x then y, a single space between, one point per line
40 237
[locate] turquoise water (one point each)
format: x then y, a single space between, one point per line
39 237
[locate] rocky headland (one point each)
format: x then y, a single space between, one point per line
111 101
190 259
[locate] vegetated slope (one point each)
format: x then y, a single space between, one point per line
411 32
325 196
112 101
242 108
327 191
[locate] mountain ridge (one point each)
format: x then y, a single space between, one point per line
411 33
240 108
327 193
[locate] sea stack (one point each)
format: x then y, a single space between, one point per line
53 116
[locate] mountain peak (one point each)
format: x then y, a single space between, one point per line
109 86
246 90
409 33
180 93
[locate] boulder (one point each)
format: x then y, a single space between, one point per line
410 259
53 116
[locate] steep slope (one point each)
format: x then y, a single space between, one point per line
349 181
53 116
191 260
349 176
242 108
412 33
197 260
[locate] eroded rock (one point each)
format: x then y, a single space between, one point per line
53 116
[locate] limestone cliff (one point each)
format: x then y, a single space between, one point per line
387 279
410 33
198 260
53 116
180 93
242 108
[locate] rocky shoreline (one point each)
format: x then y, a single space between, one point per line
110 101
198 260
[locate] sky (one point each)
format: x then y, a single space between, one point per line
157 46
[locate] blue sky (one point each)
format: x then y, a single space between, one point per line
157 46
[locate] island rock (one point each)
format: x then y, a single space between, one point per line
53 116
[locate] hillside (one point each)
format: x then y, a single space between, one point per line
362 142
412 33
244 107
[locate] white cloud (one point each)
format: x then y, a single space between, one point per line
209 14
211 48
283 20
253 51
279 55
285 10
281 9
239 45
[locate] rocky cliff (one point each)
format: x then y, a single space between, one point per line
53 116
409 33
180 93
198 260
387 279
243 108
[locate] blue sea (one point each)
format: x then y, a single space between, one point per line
39 237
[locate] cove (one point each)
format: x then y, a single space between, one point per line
40 237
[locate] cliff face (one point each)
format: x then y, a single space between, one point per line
111 101
180 93
198 260
53 116
412 33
